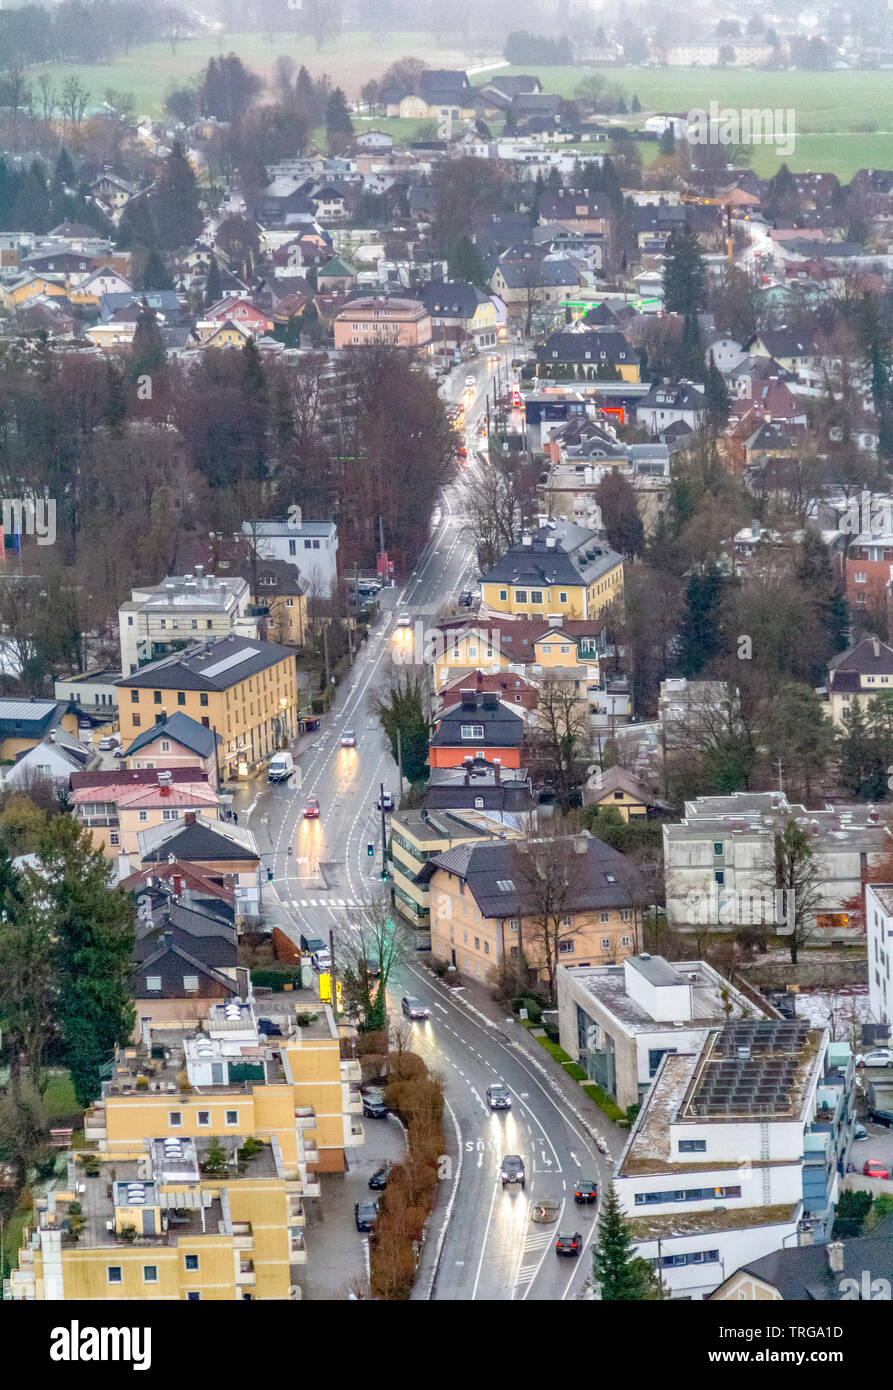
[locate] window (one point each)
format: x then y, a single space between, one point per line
232 1117
175 1119
625 914
134 697
717 847
562 598
150 1274
486 948
153 983
861 577
477 943
513 924
604 916
478 803
114 838
626 942
203 698
181 697
136 721
610 878
719 877
566 948
192 1296
471 731
536 595
206 721
606 943
505 885
503 595
566 921
190 983
292 548
156 696
114 1274
520 596
692 1146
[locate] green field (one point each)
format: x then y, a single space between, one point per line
149 72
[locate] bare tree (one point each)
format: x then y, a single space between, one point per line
377 947
48 96
74 100
495 500
550 871
560 743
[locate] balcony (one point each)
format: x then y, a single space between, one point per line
305 1118
243 1239
355 1135
297 1250
245 1276
350 1069
308 1151
309 1181
354 1103
294 1210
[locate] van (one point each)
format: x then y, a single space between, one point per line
282 765
311 944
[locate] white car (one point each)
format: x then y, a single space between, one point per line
404 620
878 1057
107 744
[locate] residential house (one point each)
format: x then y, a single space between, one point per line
279 596
480 725
510 686
528 282
775 1090
879 943
719 863
857 674
617 1021
380 321
160 618
868 571
490 912
335 277
215 847
89 292
618 788
578 212
25 723
600 355
185 959
246 691
311 547
376 140
793 351
440 94
178 742
481 786
116 805
860 1267
54 759
416 836
559 569
93 692
462 316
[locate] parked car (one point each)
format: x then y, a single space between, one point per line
311 944
311 808
512 1170
874 1168
349 739
498 1097
569 1245
471 379
413 1008
385 803
321 960
368 586
118 752
586 1193
859 1133
877 1057
107 744
881 1117
379 1180
466 599
373 1104
267 1026
365 1215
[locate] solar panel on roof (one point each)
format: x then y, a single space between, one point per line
228 662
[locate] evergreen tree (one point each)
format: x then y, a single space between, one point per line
812 567
63 174
253 378
135 227
621 107
635 104
621 1275
156 275
863 763
174 202
716 396
700 638
213 288
466 263
92 933
339 126
691 349
147 354
683 273
667 143
32 209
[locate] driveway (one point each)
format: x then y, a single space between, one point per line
337 1253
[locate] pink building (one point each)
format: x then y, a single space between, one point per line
377 321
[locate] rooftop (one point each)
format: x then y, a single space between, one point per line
607 985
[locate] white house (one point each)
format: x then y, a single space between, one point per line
879 938
54 759
312 546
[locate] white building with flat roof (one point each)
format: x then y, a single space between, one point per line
160 618
879 939
312 546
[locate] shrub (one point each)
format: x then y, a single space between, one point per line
440 967
554 1050
127 1233
251 1147
26 1199
533 1006
604 1102
632 1112
575 1071
142 1083
305 1020
407 1067
183 1082
372 1042
317 705
75 1209
275 976
551 1031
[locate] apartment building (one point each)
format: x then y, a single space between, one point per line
720 862
485 908
225 852
162 1219
560 569
309 546
179 742
738 1150
879 940
379 321
245 691
115 806
479 725
162 618
618 1021
416 836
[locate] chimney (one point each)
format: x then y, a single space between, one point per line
497 770
581 843
189 818
834 1250
876 646
527 539
550 542
168 939
873 816
163 790
469 699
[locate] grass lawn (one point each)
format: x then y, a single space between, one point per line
60 1100
151 70
13 1226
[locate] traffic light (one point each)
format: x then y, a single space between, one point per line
370 849
384 875
269 875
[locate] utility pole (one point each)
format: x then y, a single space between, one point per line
384 836
332 966
400 760
780 782
325 648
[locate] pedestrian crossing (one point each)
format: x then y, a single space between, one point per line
324 902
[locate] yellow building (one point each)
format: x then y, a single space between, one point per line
162 1220
25 723
13 294
246 691
485 911
560 570
416 836
280 591
618 788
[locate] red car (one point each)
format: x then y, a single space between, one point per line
874 1168
311 810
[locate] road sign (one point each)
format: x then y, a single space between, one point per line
339 996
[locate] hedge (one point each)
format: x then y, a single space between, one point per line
554 1050
604 1102
274 977
574 1070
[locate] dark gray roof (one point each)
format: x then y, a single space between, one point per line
197 842
803 1273
785 342
201 667
599 879
545 273
503 728
31 718
683 396
182 728
567 562
564 346
452 298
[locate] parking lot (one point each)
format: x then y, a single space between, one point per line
337 1253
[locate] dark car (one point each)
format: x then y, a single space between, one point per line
498 1097
373 967
366 1215
882 1117
413 1008
586 1192
373 1105
512 1170
266 1025
379 1180
466 599
569 1245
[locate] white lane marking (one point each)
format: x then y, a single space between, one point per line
477 1278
